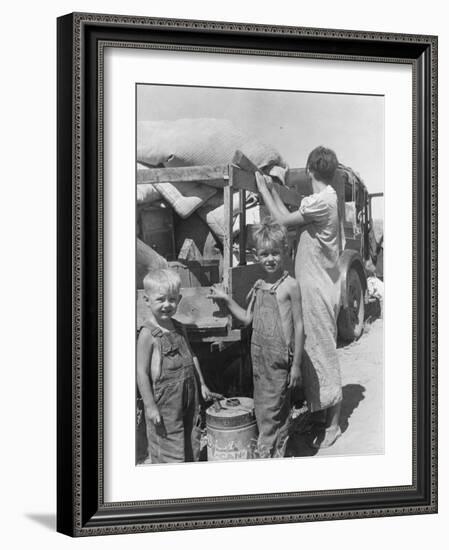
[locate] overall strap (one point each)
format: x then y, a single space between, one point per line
278 283
155 330
253 289
179 327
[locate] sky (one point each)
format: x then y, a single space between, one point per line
294 122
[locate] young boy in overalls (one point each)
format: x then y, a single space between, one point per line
168 375
277 341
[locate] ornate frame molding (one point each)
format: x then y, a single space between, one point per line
81 510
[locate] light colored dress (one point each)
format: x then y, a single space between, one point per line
318 275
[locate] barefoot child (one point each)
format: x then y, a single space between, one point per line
274 309
168 374
317 270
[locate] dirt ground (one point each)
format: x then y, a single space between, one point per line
362 414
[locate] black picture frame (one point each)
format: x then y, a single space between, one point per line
81 510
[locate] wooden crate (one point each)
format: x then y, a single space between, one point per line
196 311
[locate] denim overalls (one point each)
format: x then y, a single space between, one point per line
177 438
271 363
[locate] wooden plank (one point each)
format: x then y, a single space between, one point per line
229 221
189 251
234 335
246 179
196 274
195 311
242 227
241 160
211 175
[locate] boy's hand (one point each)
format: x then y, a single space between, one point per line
295 378
153 414
217 293
210 395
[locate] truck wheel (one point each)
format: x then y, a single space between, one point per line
350 319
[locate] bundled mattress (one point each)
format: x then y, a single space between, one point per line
201 141
197 142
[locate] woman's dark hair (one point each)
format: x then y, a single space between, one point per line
322 163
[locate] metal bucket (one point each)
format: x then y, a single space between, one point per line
231 429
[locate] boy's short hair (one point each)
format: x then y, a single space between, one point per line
270 232
165 279
322 163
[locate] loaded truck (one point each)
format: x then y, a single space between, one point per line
209 248
202 259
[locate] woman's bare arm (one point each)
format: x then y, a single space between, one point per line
278 201
282 216
298 324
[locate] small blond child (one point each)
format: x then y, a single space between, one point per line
168 374
277 340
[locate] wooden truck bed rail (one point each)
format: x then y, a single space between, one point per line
238 176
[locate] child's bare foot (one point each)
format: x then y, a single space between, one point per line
328 438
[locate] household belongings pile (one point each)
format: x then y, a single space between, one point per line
196 142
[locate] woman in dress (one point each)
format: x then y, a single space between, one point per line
316 269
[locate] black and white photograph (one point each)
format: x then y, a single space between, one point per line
259 274
221 310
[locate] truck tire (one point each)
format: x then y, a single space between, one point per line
351 318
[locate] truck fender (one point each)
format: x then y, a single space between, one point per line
350 259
